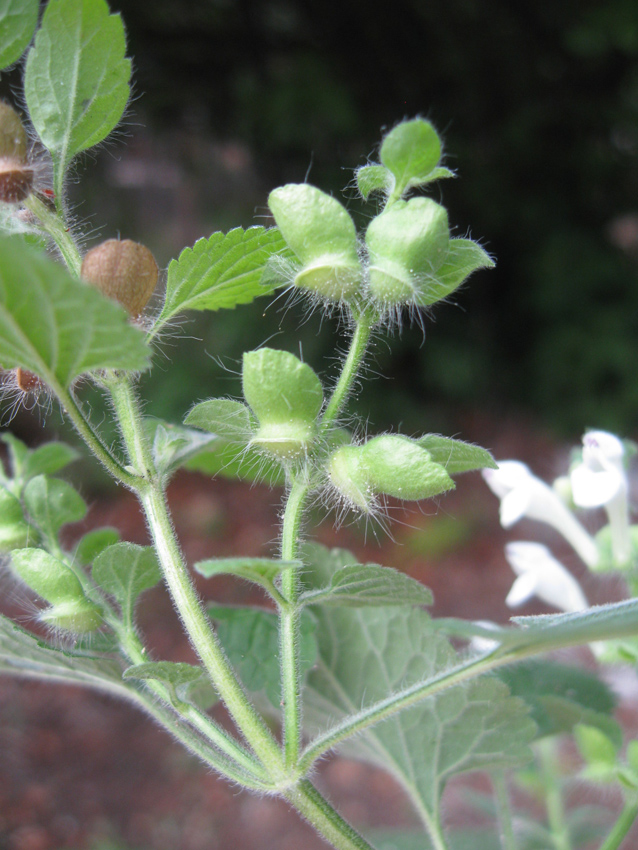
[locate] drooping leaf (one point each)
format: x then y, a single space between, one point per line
93 542
77 78
18 19
373 178
455 455
228 419
262 571
125 570
55 325
220 272
52 503
24 654
367 653
359 585
250 637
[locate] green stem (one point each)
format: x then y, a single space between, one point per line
350 369
621 827
503 810
317 811
553 796
54 224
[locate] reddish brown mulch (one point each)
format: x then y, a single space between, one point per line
77 767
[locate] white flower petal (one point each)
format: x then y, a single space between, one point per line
514 506
551 581
593 488
521 591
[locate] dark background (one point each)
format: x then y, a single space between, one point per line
538 103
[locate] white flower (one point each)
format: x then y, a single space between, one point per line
540 574
523 494
600 481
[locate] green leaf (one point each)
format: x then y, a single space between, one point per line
358 585
464 257
47 576
560 696
52 503
595 747
93 542
411 151
230 420
14 531
365 654
77 78
262 571
55 325
220 272
24 654
250 637
125 570
173 444
373 178
171 672
226 458
18 19
455 455
48 458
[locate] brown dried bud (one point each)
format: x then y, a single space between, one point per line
27 381
16 179
13 136
123 270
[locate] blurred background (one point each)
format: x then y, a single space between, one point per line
538 104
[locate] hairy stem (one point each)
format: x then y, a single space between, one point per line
503 810
621 827
553 796
53 223
315 809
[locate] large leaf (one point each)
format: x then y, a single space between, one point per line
77 78
365 654
250 636
125 570
220 272
55 325
52 503
24 654
18 19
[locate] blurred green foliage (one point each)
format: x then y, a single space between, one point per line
538 103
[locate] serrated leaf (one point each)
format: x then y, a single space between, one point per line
455 455
52 503
228 419
464 257
367 653
77 78
220 272
48 458
250 637
93 542
262 571
359 585
125 570
18 19
373 178
56 326
24 654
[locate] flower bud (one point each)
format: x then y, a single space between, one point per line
16 176
27 381
389 464
74 615
124 271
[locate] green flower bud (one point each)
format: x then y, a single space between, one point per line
58 585
286 396
322 235
390 465
14 531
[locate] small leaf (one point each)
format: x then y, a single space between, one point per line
48 458
14 531
77 78
125 570
226 458
171 672
93 542
250 637
230 420
47 576
56 326
173 444
52 503
262 571
18 19
411 151
220 272
455 455
373 178
464 257
358 585
595 747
